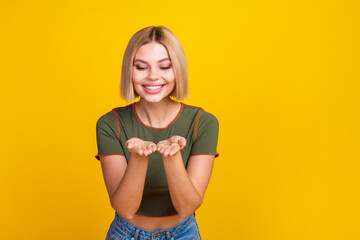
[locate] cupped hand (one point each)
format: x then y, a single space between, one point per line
171 146
140 147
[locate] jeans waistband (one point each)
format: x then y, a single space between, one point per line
133 230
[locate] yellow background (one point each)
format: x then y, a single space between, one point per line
281 76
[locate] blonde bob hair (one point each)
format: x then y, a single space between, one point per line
176 53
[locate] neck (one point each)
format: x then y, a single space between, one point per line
159 114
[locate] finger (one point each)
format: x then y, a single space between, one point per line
167 150
149 148
174 149
153 147
182 142
162 149
129 144
159 147
174 144
171 150
174 139
161 143
138 150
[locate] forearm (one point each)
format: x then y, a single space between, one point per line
127 197
184 195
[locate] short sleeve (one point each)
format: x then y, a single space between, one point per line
107 136
206 135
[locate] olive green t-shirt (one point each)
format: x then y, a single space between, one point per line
198 127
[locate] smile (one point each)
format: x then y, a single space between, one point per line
153 89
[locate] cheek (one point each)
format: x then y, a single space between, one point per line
137 77
136 80
170 77
136 86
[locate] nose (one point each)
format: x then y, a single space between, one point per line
153 74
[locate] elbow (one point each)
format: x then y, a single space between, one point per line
198 201
128 216
189 209
124 212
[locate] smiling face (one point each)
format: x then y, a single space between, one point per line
153 75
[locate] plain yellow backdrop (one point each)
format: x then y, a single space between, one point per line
282 77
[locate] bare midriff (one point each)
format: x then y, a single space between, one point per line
155 223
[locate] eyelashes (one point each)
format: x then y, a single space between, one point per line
144 68
139 68
164 68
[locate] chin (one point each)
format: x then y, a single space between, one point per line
154 99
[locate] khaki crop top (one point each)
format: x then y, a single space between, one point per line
199 127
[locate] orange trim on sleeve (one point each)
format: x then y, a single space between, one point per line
98 156
196 124
117 123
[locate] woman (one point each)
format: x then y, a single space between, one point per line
156 154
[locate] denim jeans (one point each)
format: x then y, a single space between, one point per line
120 229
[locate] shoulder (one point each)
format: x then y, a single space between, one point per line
111 116
200 113
207 122
189 109
203 116
207 117
123 109
206 133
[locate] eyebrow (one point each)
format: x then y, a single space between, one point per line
139 60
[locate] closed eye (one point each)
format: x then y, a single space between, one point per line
164 68
140 68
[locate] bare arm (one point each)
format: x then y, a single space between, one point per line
187 186
125 181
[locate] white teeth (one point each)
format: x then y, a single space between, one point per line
153 87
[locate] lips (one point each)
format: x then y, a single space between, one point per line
153 88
